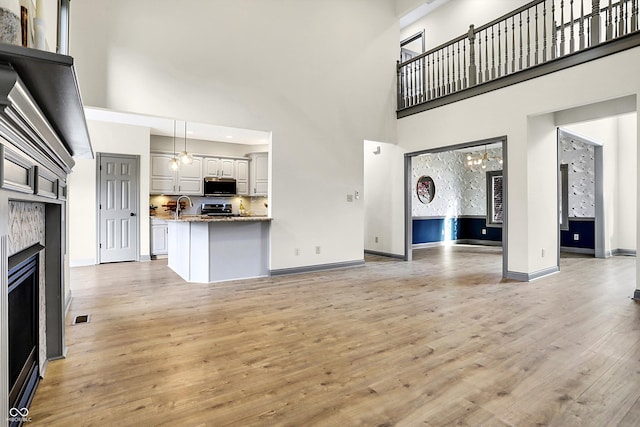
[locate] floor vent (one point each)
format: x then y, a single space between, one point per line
81 319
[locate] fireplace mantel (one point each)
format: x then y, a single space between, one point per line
51 81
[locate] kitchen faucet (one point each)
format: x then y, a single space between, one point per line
178 204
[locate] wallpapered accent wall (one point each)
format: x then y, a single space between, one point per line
582 188
460 190
26 228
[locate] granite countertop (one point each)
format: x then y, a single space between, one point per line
205 218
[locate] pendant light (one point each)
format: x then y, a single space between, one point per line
173 163
481 160
185 158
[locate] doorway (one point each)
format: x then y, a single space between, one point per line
580 194
118 207
464 157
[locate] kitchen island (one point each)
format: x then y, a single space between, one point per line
206 249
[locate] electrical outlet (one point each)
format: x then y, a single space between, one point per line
484 231
576 237
317 249
297 251
376 239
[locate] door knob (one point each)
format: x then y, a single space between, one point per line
132 214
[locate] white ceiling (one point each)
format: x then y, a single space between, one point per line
423 10
163 126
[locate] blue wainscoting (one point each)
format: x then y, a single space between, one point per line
471 229
585 228
439 229
434 230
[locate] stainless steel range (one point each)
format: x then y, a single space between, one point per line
216 209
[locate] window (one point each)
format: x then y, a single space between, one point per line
495 205
63 27
564 197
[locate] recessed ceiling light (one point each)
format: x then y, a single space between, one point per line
230 136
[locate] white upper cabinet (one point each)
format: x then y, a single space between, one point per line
186 180
259 174
219 167
242 177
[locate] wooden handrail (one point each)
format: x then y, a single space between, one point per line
523 41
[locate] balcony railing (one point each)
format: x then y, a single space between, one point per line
540 32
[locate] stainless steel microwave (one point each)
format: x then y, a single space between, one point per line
214 186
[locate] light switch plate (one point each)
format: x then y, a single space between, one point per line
349 197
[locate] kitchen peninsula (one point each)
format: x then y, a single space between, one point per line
206 249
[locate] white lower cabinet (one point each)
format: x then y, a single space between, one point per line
159 237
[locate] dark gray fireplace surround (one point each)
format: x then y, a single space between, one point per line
42 130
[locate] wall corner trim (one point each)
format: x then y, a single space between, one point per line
528 277
67 300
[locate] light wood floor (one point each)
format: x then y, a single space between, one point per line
442 340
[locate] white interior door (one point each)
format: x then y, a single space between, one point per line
118 208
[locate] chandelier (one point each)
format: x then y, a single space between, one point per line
482 160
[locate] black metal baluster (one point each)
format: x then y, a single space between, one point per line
506 47
464 65
433 71
528 40
480 59
581 31
493 53
400 103
610 21
460 70
448 72
438 93
486 55
513 44
544 31
499 52
520 61
623 18
562 36
423 79
572 48
453 68
554 33
413 83
634 16
428 96
537 50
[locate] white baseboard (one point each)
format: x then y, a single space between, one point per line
82 262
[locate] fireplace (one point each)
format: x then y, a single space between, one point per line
42 130
23 295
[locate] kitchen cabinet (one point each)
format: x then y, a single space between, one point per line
219 167
159 237
186 180
259 174
242 177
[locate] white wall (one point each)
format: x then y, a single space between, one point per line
454 17
383 198
319 75
113 139
627 182
213 148
520 112
618 136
